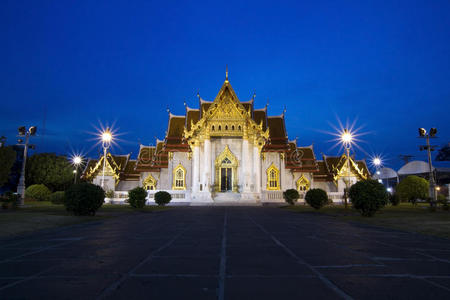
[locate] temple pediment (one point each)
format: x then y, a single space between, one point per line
226 116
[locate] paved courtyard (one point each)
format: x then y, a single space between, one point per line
224 253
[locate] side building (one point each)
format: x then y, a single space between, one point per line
226 151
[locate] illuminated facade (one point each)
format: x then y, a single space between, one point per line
226 151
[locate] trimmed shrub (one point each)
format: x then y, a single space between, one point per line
412 188
162 198
84 198
291 196
38 192
136 197
394 199
368 196
57 197
316 198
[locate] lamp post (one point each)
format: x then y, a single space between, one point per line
106 143
23 132
346 139
376 161
432 134
76 161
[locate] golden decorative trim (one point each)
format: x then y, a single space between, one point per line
273 178
234 163
149 183
181 178
303 184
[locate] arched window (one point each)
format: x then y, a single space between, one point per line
212 128
273 178
149 183
302 184
179 178
226 127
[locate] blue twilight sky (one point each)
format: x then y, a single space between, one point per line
78 63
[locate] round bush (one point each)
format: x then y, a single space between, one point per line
394 199
412 188
57 197
316 198
162 198
136 197
368 196
84 198
291 196
37 192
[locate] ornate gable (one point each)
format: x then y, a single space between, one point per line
226 116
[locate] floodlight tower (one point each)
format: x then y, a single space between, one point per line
23 132
432 134
106 143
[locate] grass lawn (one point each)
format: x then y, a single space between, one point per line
41 215
404 217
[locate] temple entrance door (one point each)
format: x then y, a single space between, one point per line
225 179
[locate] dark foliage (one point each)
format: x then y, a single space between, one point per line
368 196
84 198
291 196
444 153
412 188
57 197
316 198
54 171
38 192
394 199
136 197
7 159
162 198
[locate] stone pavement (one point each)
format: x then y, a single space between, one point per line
224 253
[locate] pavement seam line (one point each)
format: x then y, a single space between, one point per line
325 280
223 259
26 279
117 283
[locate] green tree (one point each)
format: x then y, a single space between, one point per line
412 188
49 169
7 159
368 196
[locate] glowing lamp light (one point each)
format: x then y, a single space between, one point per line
74 171
377 161
389 190
77 160
346 137
106 136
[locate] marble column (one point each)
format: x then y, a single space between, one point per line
256 169
195 167
206 173
246 166
282 172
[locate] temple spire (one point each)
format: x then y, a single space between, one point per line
226 73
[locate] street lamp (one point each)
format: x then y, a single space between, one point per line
76 161
346 139
432 134
107 138
23 132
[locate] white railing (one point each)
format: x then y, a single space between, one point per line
273 196
336 197
177 196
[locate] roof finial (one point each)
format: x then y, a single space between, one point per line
226 73
267 103
284 110
168 110
198 95
254 96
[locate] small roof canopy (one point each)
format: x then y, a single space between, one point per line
414 167
385 173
